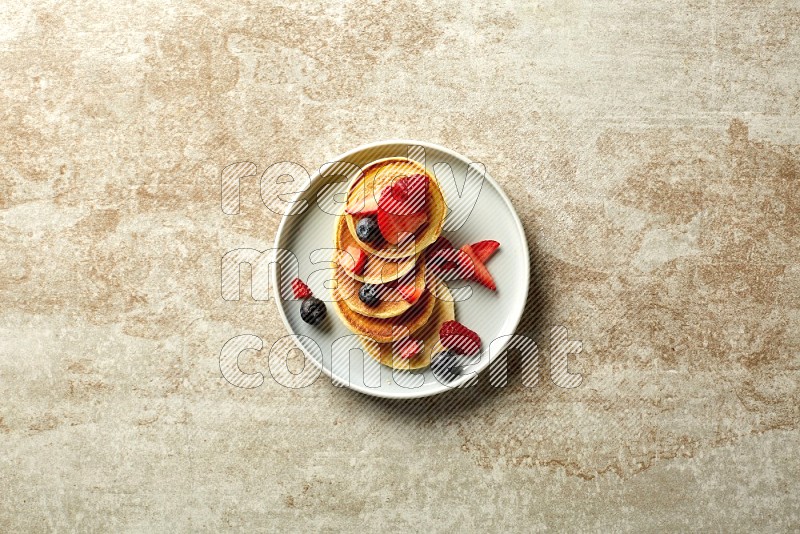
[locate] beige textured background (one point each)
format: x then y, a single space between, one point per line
651 148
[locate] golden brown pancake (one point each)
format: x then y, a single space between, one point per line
386 330
378 175
443 310
378 270
392 302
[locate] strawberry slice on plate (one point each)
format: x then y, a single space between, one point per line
481 273
485 249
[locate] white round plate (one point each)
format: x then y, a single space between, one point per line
478 210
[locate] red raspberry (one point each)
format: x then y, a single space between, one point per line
300 289
458 337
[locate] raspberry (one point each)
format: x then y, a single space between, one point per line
300 289
458 337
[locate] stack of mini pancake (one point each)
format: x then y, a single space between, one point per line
386 326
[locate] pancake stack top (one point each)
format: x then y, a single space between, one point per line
394 212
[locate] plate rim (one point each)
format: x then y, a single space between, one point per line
412 393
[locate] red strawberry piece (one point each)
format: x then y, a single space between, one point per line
363 200
458 337
411 293
362 206
300 289
481 273
402 208
407 348
484 249
354 259
407 287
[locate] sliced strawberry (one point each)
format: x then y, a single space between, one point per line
363 199
481 273
397 228
362 206
411 293
458 337
402 208
407 287
407 348
354 259
484 249
300 289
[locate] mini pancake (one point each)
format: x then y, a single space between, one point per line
390 329
377 270
378 175
392 302
443 310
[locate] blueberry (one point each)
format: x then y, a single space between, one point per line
445 366
369 294
313 310
367 229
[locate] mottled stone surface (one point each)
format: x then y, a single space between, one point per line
652 150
